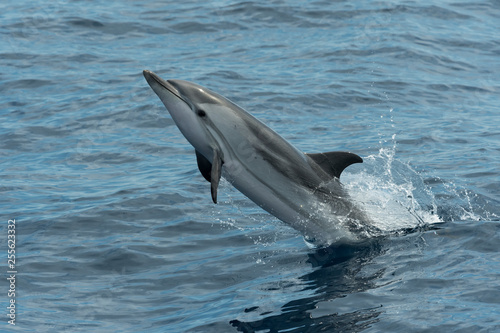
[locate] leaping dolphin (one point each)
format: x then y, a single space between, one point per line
302 190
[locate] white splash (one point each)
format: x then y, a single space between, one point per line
392 194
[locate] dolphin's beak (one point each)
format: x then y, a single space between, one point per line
156 83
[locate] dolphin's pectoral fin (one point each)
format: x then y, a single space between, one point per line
334 162
215 174
211 171
204 165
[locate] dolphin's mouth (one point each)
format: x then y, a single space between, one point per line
152 77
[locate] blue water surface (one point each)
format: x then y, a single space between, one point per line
115 227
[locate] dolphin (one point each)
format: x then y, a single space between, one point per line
302 190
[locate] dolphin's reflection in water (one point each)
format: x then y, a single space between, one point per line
336 276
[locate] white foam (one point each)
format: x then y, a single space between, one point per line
392 194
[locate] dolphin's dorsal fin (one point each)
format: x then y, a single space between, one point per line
334 162
211 171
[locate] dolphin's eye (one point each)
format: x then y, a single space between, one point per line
202 114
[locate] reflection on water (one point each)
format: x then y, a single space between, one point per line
337 275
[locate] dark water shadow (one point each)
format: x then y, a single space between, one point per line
336 275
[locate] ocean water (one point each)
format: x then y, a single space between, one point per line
115 230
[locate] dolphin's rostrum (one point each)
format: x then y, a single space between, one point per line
303 190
